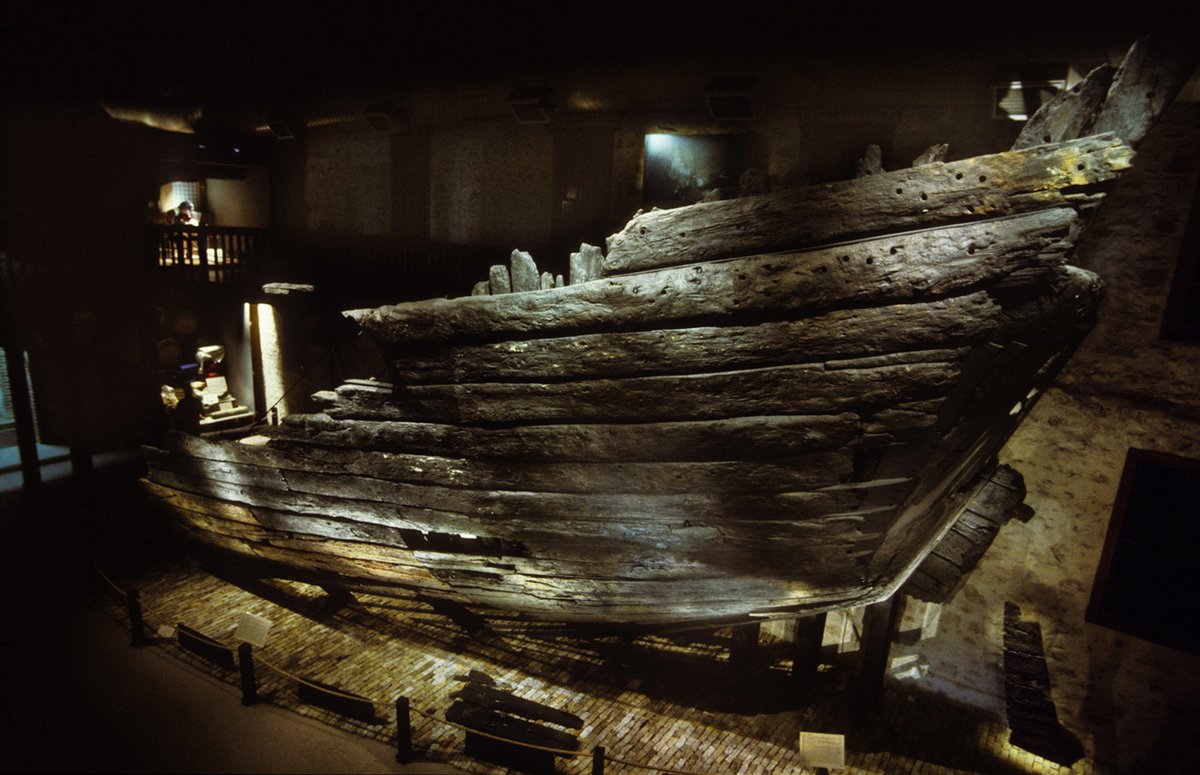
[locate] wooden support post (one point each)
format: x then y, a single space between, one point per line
137 627
31 471
404 752
879 627
598 760
256 365
246 666
743 646
807 635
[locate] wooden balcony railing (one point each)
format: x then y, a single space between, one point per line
223 255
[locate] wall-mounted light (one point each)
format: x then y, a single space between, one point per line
531 105
729 98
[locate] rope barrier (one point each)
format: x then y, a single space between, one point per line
336 692
111 583
532 746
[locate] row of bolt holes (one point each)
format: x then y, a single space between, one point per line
924 196
983 179
893 250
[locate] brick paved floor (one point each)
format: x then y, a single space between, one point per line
665 703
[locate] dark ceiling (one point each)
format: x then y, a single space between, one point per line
240 58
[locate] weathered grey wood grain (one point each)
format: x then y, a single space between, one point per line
498 280
919 265
523 272
323 493
269 466
839 333
871 162
636 598
1071 112
754 438
584 264
566 549
802 388
999 184
934 153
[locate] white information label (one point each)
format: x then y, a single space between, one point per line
820 749
252 629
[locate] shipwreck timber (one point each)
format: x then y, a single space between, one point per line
745 409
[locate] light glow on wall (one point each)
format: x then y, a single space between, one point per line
274 384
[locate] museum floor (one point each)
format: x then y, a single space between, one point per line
78 698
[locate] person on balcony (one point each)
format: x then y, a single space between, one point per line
186 215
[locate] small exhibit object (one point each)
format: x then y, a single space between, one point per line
252 629
822 749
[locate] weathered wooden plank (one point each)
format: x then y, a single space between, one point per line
590 585
584 264
993 411
1070 114
577 541
754 437
918 265
523 272
356 560
839 333
998 184
871 162
498 280
771 390
1152 73
268 466
934 153
567 599
370 497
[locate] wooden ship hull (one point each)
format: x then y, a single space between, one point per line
753 408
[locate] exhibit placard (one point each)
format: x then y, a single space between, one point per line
822 749
252 629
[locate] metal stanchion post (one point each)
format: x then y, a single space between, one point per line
404 752
136 626
246 665
598 760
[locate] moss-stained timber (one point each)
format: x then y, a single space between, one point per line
929 195
916 265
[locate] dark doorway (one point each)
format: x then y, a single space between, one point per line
1146 583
